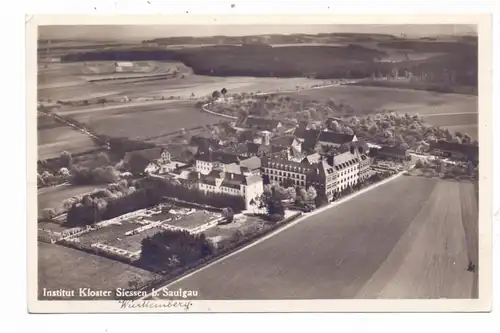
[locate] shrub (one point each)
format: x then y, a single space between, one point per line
159 250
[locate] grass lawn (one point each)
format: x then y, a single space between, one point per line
133 243
108 234
62 267
194 220
247 225
51 226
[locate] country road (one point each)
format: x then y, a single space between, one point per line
407 241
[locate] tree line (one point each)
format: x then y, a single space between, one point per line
126 197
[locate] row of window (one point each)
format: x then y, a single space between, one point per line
285 174
274 165
280 179
222 189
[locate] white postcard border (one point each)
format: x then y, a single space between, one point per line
483 303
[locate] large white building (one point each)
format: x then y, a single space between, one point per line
209 161
329 175
249 187
152 161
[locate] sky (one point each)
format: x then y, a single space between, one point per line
124 32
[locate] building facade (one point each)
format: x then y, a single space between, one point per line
278 171
329 175
250 187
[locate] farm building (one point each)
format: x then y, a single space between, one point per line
263 124
455 150
154 161
313 139
391 153
124 66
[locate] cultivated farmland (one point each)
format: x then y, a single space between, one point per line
54 137
52 197
153 79
143 120
408 241
139 118
62 267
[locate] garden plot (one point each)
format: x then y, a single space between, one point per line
123 235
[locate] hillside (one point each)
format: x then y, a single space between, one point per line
445 60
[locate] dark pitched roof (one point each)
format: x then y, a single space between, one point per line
233 181
247 135
334 137
218 156
310 139
466 149
392 150
345 160
312 158
257 148
285 165
285 140
300 131
251 163
230 180
150 154
204 143
181 153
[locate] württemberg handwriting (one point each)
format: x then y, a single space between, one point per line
186 305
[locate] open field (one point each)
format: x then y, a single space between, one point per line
76 81
54 137
408 241
456 111
369 99
52 197
144 120
62 267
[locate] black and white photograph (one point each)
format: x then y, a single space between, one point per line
180 164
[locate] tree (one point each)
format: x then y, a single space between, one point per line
290 193
223 92
311 193
109 174
320 200
67 203
228 214
64 172
40 180
215 95
174 248
66 159
48 213
466 139
348 130
278 192
137 164
419 164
